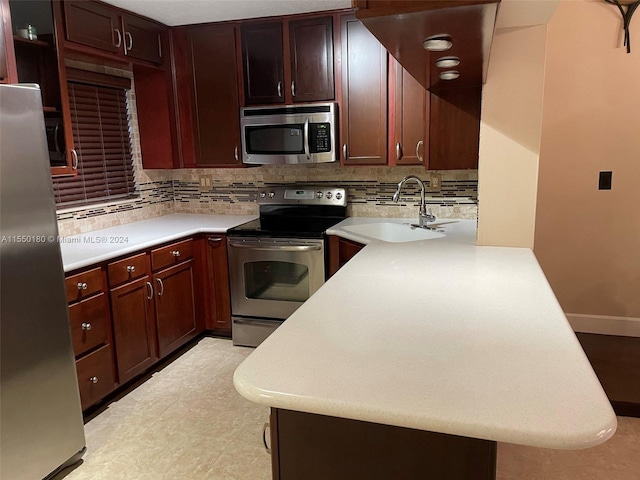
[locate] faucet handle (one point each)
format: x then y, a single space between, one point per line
427 217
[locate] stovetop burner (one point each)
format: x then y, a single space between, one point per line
295 211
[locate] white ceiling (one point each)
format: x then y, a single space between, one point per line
184 12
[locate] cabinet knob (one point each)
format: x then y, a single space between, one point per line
93 379
82 286
131 268
86 326
175 253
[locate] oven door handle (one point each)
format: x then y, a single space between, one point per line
266 323
306 138
276 248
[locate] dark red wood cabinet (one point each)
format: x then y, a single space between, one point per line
101 26
288 61
217 298
132 310
91 335
364 95
341 251
311 50
208 101
408 118
263 63
175 306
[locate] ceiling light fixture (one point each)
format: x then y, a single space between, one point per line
627 9
449 75
447 62
437 43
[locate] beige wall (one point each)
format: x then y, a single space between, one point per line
588 241
510 137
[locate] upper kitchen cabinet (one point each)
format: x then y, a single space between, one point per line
8 72
38 60
207 92
462 29
311 50
262 62
108 29
364 95
288 61
408 118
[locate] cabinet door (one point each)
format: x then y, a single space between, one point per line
455 128
142 39
93 24
8 72
175 307
216 108
364 96
262 63
132 312
218 295
410 111
311 46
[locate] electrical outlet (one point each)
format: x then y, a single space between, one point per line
205 181
435 182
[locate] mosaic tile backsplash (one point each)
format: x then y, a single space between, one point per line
234 191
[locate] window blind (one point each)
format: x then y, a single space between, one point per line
101 138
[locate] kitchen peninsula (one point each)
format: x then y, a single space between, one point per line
415 358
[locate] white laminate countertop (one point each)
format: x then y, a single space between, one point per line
89 248
438 335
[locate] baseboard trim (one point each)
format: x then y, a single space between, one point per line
626 409
605 324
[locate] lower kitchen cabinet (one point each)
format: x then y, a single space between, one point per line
175 307
341 251
91 335
217 298
132 307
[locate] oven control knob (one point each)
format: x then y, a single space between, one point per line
319 194
272 194
262 194
329 195
338 196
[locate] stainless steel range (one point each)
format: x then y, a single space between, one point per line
278 261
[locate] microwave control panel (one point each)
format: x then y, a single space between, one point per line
319 137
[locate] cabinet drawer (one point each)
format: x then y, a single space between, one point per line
88 324
171 254
83 284
127 269
95 376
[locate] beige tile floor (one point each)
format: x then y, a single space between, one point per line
188 422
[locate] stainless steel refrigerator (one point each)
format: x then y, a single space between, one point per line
40 414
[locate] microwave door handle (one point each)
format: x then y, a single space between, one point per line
55 138
306 138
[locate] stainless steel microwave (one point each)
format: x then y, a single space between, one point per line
289 134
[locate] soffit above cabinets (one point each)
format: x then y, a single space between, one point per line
186 12
402 26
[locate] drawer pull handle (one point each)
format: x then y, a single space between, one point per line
161 285
214 239
82 286
119 42
264 437
150 296
418 145
175 253
86 326
131 268
93 380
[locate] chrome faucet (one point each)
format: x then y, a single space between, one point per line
423 216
